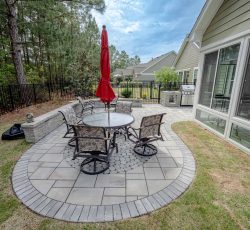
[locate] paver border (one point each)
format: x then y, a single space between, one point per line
45 206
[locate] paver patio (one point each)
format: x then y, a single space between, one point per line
49 182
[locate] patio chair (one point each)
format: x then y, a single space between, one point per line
148 132
123 107
87 106
93 145
70 118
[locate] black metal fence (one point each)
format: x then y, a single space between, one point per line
18 96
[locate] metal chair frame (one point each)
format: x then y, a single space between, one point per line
93 156
86 106
142 144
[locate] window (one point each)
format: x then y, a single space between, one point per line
211 120
184 76
195 74
244 103
208 78
225 78
240 135
217 80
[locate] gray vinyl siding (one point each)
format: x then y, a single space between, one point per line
189 59
167 61
145 77
232 18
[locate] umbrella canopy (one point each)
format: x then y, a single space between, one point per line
104 90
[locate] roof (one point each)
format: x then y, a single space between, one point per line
205 17
158 59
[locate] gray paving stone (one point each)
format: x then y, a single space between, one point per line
110 180
154 202
64 183
51 158
100 213
40 207
86 196
132 209
146 203
67 215
25 193
108 214
42 173
151 165
32 200
37 202
54 209
131 198
167 162
125 211
59 194
43 186
109 200
153 173
48 207
84 214
85 180
136 188
61 211
76 214
36 157
135 176
64 174
140 207
33 166
92 214
171 173
170 193
117 212
157 185
159 199
21 186
165 197
49 164
114 192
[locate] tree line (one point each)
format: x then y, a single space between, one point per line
53 41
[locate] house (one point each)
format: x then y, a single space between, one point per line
222 100
186 62
146 71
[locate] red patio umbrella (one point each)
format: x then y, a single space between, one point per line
104 90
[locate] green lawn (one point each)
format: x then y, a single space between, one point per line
219 197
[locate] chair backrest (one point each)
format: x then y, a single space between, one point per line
150 126
85 103
69 116
123 107
90 138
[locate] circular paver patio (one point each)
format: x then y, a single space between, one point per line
47 181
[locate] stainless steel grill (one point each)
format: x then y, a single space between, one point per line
187 94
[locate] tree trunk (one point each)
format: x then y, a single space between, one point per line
15 41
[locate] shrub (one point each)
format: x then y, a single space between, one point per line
126 93
166 75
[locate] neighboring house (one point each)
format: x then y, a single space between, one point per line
146 71
222 100
186 62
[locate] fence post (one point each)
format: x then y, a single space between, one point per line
140 90
159 93
34 92
151 89
11 98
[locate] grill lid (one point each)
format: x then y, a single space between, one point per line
188 88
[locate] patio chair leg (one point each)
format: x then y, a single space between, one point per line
145 149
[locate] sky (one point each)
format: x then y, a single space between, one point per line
148 28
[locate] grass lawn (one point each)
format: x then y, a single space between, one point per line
219 197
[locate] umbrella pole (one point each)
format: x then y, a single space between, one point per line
108 104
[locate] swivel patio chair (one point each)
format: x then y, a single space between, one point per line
70 118
93 145
148 132
123 107
87 106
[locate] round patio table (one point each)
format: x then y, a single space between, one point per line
107 120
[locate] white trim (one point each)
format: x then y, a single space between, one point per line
195 68
182 71
219 114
